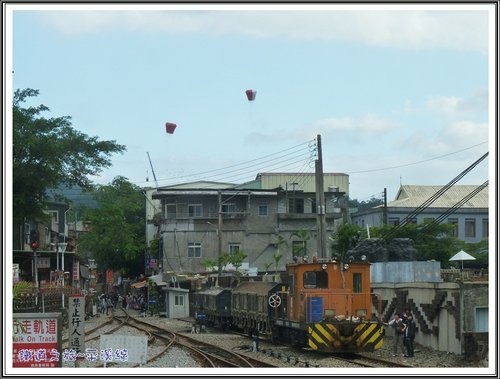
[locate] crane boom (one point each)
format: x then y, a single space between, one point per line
153 170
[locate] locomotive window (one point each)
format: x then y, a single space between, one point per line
357 285
315 279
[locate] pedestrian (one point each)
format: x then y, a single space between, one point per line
397 323
109 304
103 303
410 330
255 340
404 318
200 318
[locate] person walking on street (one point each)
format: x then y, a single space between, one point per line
410 335
397 324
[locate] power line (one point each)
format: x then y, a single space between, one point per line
454 208
248 169
205 174
418 162
433 198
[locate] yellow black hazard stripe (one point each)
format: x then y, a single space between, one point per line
344 336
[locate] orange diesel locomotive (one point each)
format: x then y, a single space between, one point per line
325 306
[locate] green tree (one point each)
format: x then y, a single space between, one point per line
344 239
435 243
478 250
208 264
117 237
223 260
236 259
48 152
366 204
304 236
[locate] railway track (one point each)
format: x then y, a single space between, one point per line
370 362
160 341
209 355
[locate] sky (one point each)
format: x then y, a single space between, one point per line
399 94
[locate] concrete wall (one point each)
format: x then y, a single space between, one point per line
406 272
442 311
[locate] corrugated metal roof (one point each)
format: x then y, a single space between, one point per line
410 196
202 184
305 182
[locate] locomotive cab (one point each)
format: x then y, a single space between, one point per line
327 307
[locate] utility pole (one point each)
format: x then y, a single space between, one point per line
219 236
385 206
320 200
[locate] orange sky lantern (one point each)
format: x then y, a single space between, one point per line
170 127
251 94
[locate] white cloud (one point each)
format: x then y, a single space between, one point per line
448 105
412 29
453 106
453 137
465 133
349 128
368 123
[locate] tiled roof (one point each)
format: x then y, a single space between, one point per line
414 196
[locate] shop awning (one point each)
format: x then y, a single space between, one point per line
139 284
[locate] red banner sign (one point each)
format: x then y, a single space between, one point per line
36 340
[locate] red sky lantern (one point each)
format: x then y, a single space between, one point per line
251 94
170 127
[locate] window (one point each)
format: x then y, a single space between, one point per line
229 208
296 205
394 221
314 209
315 279
357 285
486 225
262 209
454 222
195 210
481 320
179 300
54 220
234 248
470 227
54 216
171 211
194 250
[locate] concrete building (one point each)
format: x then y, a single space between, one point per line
470 219
199 221
57 237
